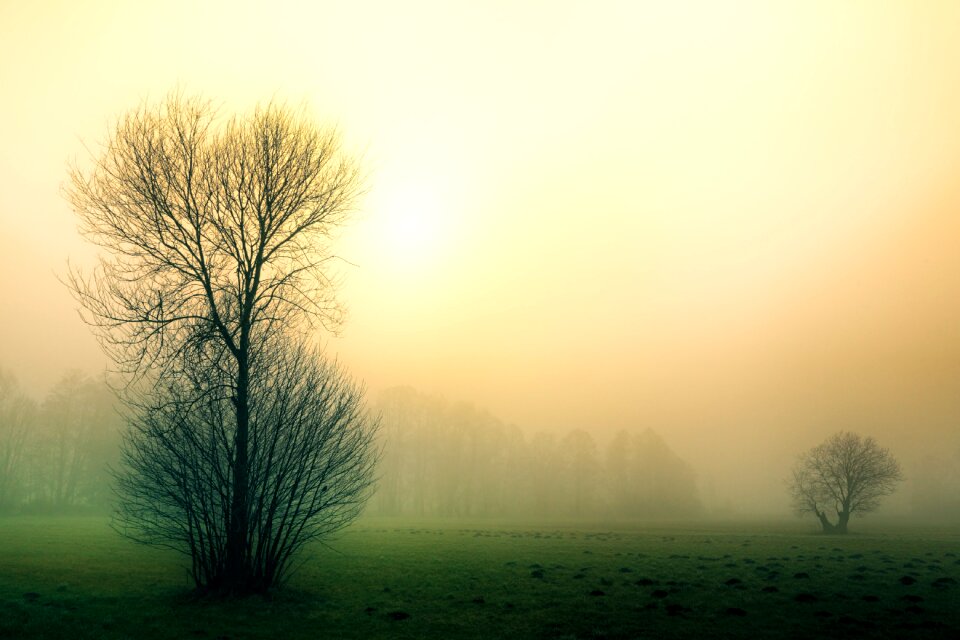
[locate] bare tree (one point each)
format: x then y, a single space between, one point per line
311 457
847 474
216 234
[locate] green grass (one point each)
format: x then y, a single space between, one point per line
76 578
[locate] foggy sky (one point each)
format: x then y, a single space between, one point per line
738 225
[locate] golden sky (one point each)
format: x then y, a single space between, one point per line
736 223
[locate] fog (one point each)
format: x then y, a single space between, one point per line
725 233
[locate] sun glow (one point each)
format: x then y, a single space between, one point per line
411 225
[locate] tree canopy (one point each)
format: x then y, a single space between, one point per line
847 475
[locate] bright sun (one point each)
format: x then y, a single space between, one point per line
412 227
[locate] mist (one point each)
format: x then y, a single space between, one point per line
504 319
448 459
749 245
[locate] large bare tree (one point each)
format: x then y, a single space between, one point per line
215 233
848 475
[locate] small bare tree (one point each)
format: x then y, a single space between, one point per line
216 235
847 474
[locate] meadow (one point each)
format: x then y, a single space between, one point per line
76 578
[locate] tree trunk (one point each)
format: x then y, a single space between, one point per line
236 569
828 527
843 519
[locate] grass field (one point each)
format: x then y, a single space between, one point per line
75 578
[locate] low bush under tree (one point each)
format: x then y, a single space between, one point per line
311 457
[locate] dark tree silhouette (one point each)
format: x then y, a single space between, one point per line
311 461
847 474
215 235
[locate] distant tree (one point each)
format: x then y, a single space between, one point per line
216 235
17 417
620 466
311 457
668 483
404 417
544 472
76 430
846 475
646 479
444 459
580 471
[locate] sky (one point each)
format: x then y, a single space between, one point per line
735 223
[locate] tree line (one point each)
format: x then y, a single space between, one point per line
453 460
438 459
55 454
